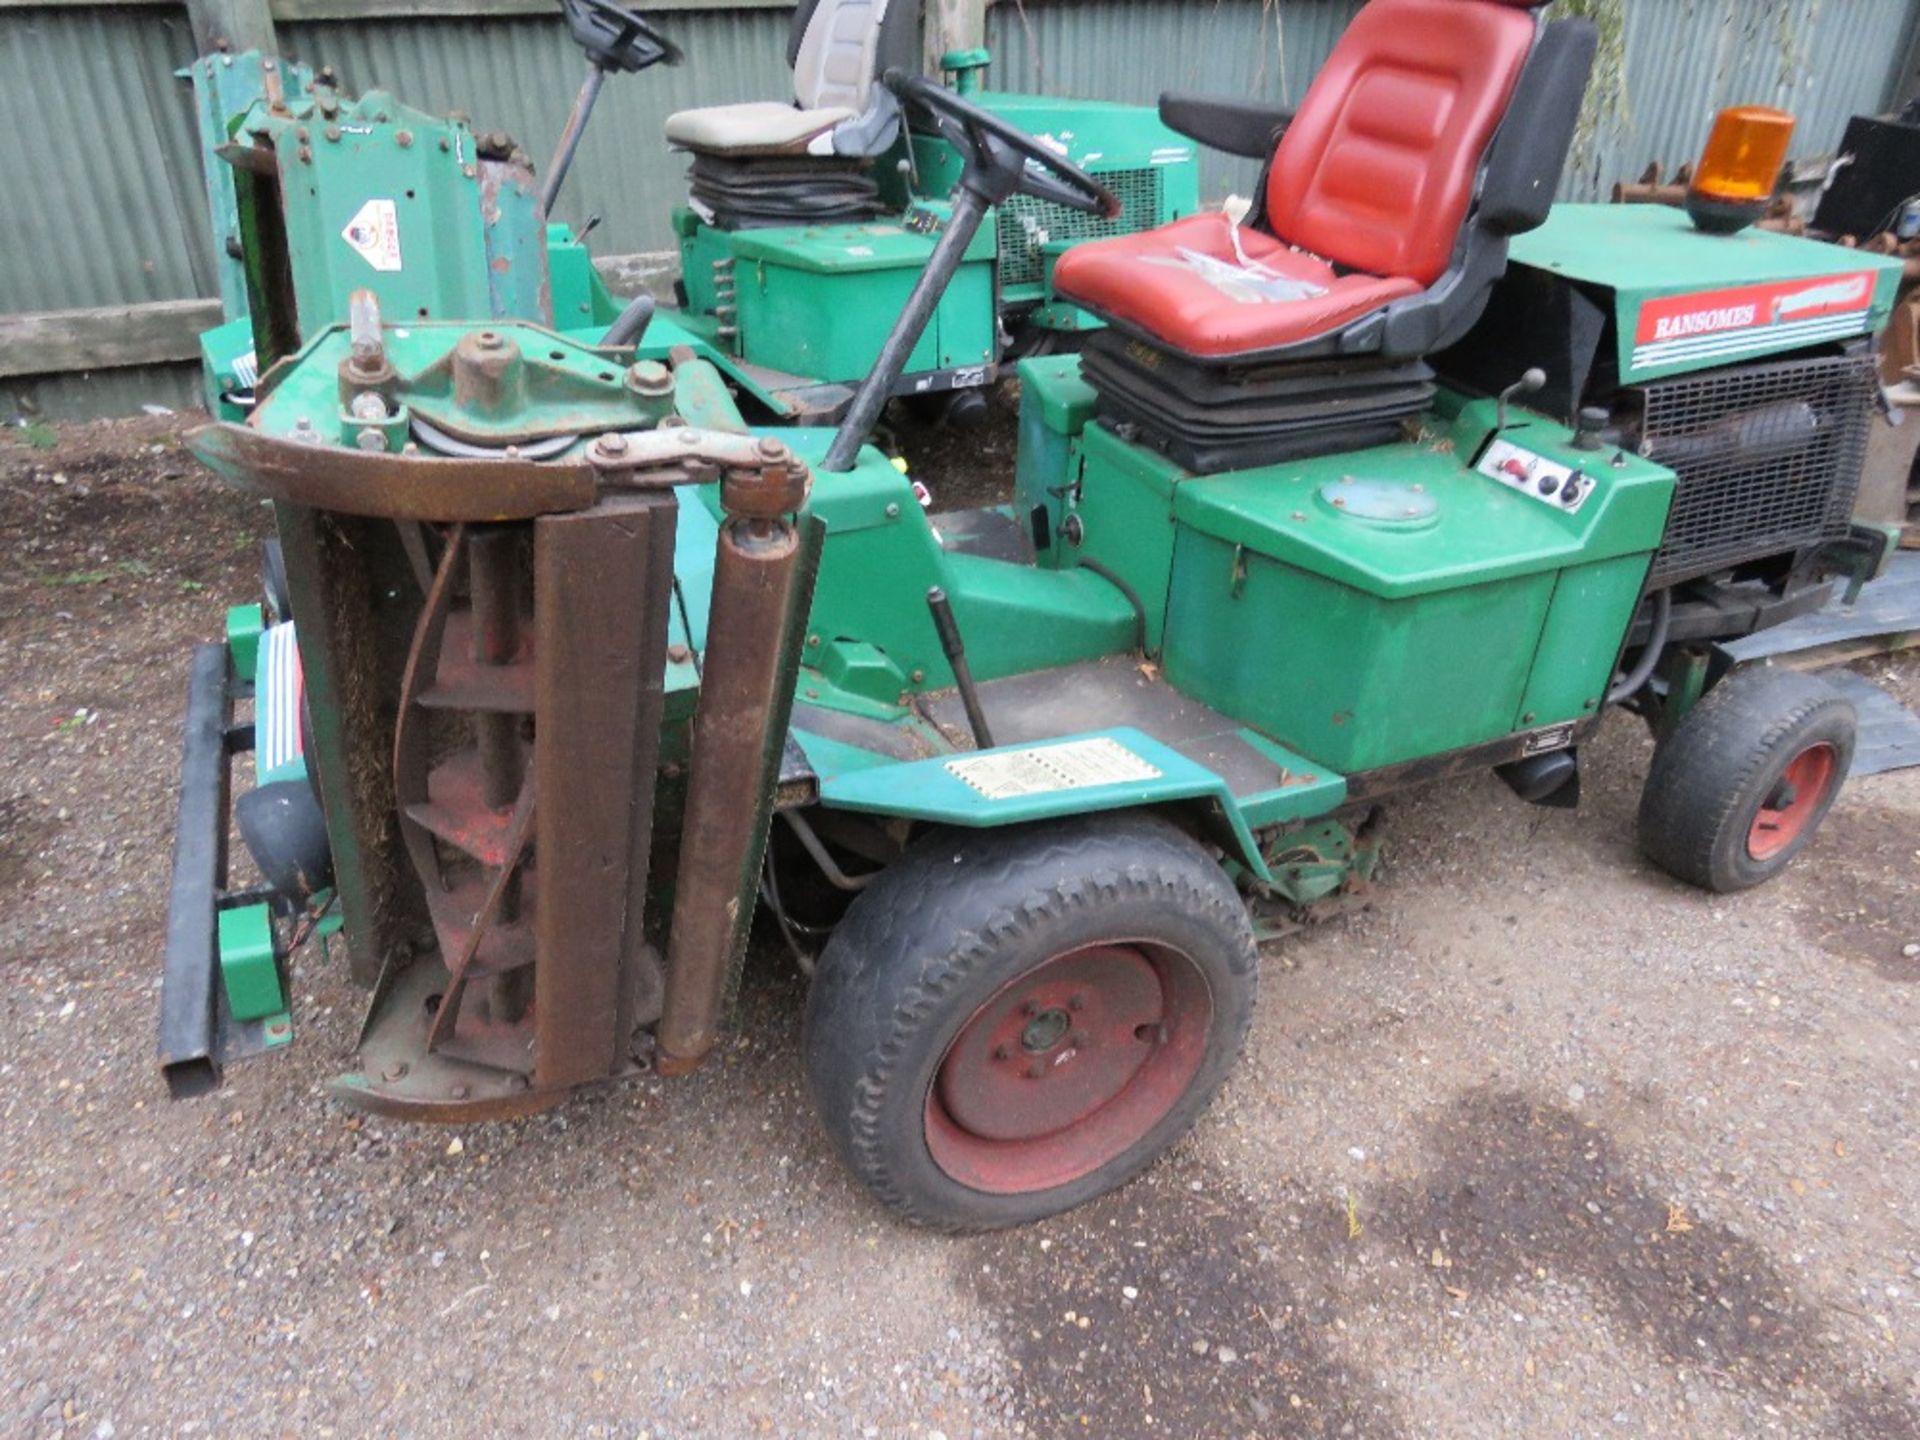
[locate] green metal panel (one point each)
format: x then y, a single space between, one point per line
1350 679
244 625
1686 300
227 364
1055 406
1365 639
384 197
1305 789
225 87
1479 530
819 301
931 790
1126 506
248 969
1580 642
580 297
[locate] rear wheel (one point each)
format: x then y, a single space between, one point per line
1008 1024
1740 786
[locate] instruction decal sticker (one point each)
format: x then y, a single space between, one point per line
374 233
1714 324
1077 765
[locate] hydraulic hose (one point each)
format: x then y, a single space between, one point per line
1635 680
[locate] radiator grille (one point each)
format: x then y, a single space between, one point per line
1768 459
1027 224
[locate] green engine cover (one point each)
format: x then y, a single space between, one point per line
1685 300
818 301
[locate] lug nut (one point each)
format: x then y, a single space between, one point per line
1037 1069
1003 1052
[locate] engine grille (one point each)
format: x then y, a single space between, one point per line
1768 459
1027 224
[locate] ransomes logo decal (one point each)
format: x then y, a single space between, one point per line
1716 324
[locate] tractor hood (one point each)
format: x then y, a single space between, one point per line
1677 299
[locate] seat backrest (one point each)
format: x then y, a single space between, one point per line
839 53
1376 171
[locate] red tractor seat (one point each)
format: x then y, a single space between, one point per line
1367 196
1153 282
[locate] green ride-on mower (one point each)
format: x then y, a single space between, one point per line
807 226
1403 476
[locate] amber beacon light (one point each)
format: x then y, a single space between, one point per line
1735 179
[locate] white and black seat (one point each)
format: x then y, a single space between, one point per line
809 162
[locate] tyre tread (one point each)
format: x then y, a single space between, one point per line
1037 875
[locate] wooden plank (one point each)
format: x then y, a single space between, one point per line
232 25
953 25
104 338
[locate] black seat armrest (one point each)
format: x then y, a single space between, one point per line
1239 127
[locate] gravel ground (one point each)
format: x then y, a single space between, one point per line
1544 1144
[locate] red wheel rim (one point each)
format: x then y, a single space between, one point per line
1795 799
1067 1067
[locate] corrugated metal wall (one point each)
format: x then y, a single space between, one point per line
104 199
115 214
1823 60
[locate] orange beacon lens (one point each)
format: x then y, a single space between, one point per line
1741 166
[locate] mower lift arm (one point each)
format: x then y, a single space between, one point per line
1237 127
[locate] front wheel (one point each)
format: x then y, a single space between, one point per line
1740 786
1010 1023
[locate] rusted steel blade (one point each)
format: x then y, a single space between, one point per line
410 737
519 833
400 487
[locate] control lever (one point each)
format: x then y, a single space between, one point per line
956 651
632 322
1535 379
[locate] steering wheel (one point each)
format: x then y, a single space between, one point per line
1002 160
615 38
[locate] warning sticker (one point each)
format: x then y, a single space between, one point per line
375 233
1077 765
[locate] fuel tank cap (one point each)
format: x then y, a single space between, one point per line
1393 504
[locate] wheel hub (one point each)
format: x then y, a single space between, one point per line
1067 1066
1793 802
